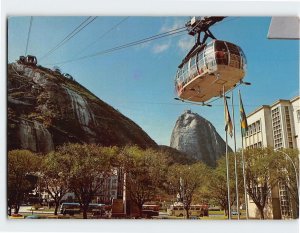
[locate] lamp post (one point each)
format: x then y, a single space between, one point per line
294 166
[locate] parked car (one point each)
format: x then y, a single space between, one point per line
234 212
69 208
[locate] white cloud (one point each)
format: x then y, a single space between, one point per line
175 24
159 48
186 43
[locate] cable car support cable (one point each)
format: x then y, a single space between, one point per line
145 40
104 34
80 27
28 35
134 43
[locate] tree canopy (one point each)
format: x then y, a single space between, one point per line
186 180
21 165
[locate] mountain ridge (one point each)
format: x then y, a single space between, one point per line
198 138
47 109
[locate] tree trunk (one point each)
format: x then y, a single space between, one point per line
56 208
17 208
84 213
261 211
187 213
226 212
140 211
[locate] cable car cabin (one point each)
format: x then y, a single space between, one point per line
29 60
205 70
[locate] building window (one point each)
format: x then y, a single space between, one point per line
298 115
257 124
277 130
259 144
284 201
288 127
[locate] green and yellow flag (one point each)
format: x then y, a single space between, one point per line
228 122
243 118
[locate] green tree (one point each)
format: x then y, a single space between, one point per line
187 180
145 172
55 176
217 187
90 167
22 164
287 165
260 169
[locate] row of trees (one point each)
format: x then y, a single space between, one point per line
264 170
150 174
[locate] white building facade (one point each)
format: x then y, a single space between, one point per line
276 126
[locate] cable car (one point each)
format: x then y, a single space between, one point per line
208 67
29 60
202 75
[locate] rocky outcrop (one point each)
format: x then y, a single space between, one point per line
198 138
46 109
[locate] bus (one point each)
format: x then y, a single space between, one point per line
195 210
72 208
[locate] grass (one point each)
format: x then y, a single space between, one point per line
220 215
218 212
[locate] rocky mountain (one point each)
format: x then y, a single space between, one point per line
47 109
198 138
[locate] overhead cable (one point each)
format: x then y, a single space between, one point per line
134 43
80 27
28 35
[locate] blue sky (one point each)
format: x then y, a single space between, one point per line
139 81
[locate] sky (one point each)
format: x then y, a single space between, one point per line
139 80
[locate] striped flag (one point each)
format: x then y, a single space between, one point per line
243 119
228 122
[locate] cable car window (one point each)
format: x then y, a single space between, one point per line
209 45
209 56
193 70
201 62
221 53
193 61
180 79
233 48
234 52
185 72
243 59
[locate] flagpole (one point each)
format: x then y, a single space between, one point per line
227 174
235 161
243 164
227 163
244 176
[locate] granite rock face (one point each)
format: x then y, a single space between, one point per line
47 109
198 138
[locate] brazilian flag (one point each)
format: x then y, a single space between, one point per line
228 122
243 119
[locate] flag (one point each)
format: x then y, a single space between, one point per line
228 122
243 119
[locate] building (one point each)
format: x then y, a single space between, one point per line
276 126
111 188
